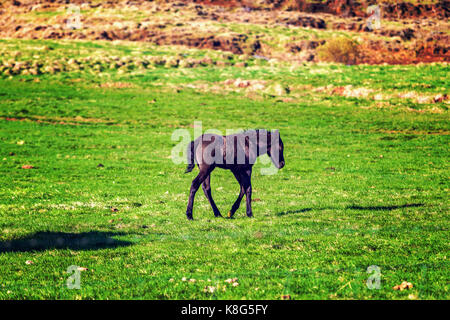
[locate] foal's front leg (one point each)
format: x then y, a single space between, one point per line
237 203
247 183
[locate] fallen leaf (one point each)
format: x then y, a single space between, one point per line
209 289
403 286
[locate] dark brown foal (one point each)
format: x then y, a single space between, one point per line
236 152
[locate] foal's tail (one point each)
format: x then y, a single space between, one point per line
190 157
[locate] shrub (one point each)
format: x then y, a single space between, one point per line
341 50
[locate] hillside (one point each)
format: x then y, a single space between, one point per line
283 30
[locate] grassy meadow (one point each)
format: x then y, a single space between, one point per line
365 181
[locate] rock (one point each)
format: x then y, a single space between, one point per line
440 98
378 97
276 89
240 64
242 83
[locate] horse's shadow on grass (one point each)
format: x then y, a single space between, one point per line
353 207
293 211
386 208
46 240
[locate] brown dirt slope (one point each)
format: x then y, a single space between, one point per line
268 28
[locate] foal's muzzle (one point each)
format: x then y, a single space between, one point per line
281 165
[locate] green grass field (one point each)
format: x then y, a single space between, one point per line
365 182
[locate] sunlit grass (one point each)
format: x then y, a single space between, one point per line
363 185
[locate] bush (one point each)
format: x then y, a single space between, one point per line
341 50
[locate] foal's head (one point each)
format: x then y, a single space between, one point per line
275 148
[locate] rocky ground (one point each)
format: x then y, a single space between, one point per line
282 30
348 8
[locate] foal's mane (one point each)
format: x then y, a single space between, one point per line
257 130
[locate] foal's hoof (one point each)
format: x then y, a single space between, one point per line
218 216
230 215
190 218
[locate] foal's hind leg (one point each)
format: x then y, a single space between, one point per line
204 173
207 190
